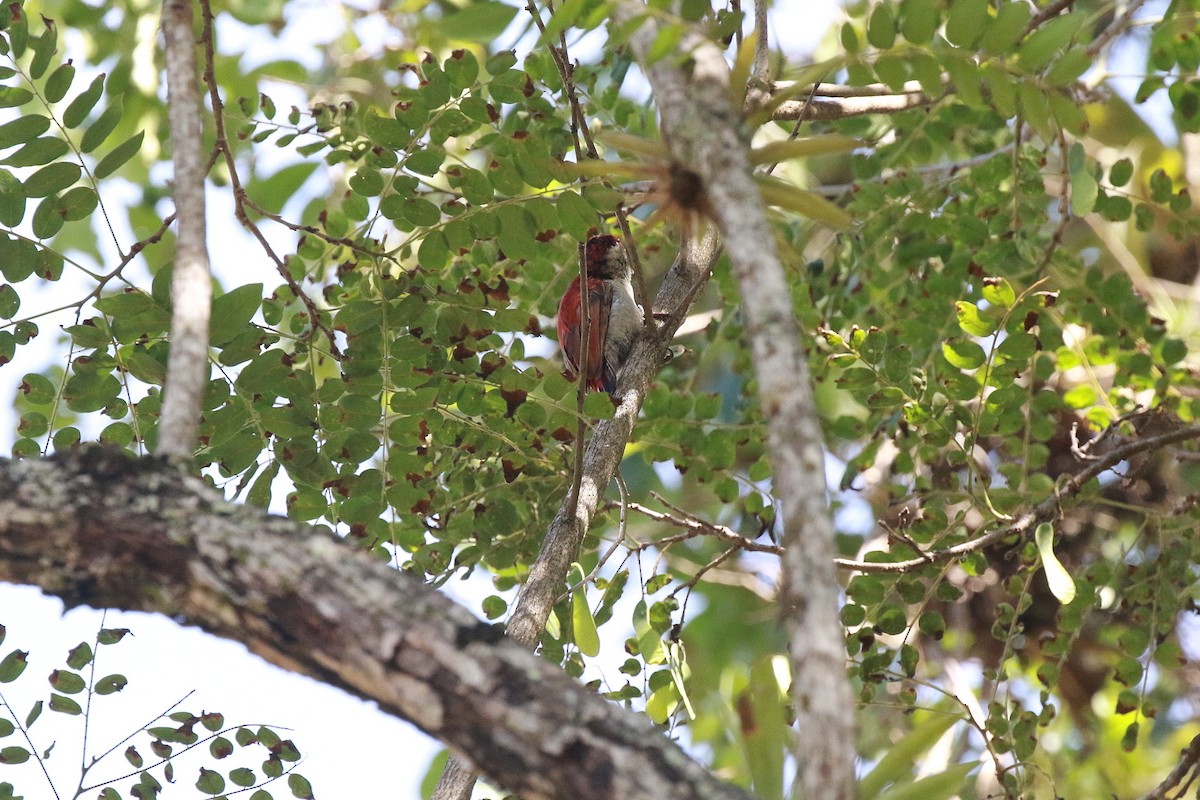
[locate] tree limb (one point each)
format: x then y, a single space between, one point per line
191 285
834 101
96 527
704 135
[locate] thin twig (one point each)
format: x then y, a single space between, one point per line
1045 511
698 527
760 71
1046 13
945 168
240 199
1119 25
824 109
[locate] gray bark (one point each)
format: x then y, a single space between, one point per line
96 527
191 284
704 135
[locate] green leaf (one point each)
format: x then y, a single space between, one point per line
1059 580
517 232
763 729
52 178
90 391
232 312
661 703
79 108
66 681
1084 191
78 203
43 50
586 637
1050 38
898 759
23 129
10 301
64 705
37 152
99 130
1006 29
939 786
210 781
801 148
119 155
47 218
145 367
967 21
111 684
59 83
11 96
963 354
13 755
300 786
970 320
919 20
964 77
12 665
1069 67
881 27
809 204
34 713
12 199
241 776
38 391
479 22
1121 172
998 292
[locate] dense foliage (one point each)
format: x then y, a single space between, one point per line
1013 303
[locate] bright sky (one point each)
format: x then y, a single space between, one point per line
351 749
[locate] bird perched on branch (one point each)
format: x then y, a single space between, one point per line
613 316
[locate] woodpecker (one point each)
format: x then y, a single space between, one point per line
613 316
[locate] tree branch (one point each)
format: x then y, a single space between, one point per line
704 135
95 526
1045 511
191 285
830 102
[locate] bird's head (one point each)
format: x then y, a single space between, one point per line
606 258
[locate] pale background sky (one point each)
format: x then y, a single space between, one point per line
351 750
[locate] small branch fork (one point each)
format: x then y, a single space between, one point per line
241 202
1185 772
694 526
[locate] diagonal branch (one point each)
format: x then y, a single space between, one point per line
191 285
96 526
